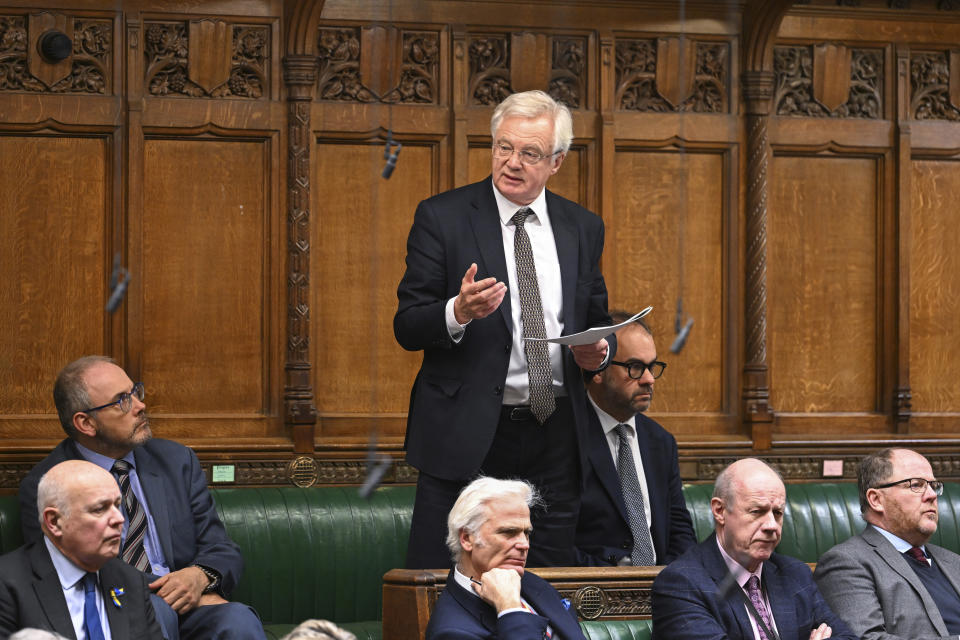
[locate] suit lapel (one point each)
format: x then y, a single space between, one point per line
156 495
485 220
484 613
782 607
718 572
651 458
117 617
567 240
599 452
889 555
545 602
49 591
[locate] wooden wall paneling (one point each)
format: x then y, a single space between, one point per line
902 396
824 311
934 273
56 221
667 201
207 298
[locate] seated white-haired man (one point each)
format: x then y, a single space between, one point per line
488 592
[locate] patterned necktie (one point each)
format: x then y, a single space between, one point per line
91 616
642 554
133 552
753 590
917 555
548 632
539 371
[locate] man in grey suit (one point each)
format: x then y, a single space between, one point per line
888 583
71 581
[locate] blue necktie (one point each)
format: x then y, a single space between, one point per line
91 617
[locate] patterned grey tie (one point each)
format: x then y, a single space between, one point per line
539 371
642 554
134 553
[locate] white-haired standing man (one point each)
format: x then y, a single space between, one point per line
488 593
488 266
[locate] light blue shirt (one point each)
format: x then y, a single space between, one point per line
900 544
71 580
151 543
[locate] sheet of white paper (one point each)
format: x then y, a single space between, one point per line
592 335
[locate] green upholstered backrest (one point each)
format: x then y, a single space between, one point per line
822 514
618 629
11 535
319 552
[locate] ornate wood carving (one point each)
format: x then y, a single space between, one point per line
568 78
795 88
339 52
930 87
593 602
636 71
90 64
489 58
167 52
300 74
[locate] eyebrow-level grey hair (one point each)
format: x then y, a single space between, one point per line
469 512
533 104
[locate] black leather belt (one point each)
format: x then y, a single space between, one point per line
516 413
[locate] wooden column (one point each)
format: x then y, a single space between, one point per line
300 75
901 395
757 414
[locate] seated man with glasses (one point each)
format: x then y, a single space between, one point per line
633 511
888 582
171 530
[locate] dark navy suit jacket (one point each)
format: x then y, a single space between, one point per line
457 396
459 615
183 511
31 596
687 603
603 530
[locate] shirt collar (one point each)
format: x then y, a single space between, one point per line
607 422
898 543
68 573
101 460
506 208
740 573
463 581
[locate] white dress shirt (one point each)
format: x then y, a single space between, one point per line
609 424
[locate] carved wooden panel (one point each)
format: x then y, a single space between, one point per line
408 76
358 248
489 58
935 287
932 85
667 227
207 319
794 68
822 311
175 66
638 66
568 66
88 70
54 219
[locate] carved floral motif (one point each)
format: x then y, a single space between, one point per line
90 64
568 71
793 96
339 54
419 73
636 68
930 87
489 69
166 48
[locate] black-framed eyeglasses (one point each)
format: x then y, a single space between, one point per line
125 401
917 485
527 156
636 368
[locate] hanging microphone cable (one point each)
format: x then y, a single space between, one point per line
391 158
682 330
119 279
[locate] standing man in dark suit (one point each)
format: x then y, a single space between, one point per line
171 529
633 510
488 593
487 400
889 582
71 581
732 585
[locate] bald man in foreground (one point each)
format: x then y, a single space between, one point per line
733 585
71 581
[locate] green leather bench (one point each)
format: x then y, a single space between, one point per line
322 552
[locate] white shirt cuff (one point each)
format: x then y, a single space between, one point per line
454 328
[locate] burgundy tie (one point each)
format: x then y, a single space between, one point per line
918 556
